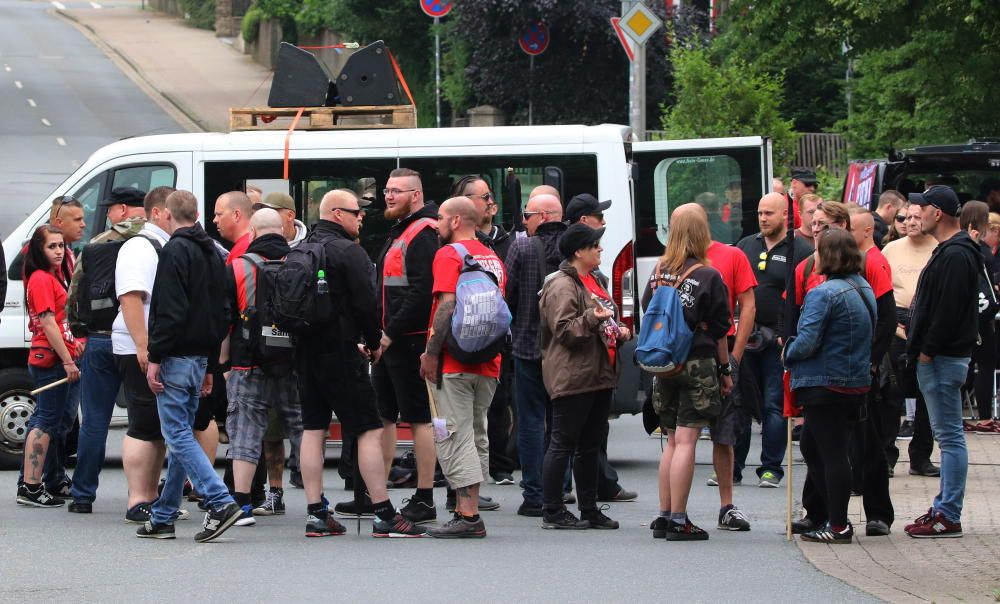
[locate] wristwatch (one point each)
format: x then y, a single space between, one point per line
726 369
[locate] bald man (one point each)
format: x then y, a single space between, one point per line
544 190
232 218
528 261
768 252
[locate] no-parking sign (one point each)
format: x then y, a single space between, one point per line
436 8
535 39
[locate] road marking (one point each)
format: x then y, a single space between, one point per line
32 103
46 122
58 5
61 141
18 84
95 5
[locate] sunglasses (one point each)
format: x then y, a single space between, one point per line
487 196
356 212
64 200
528 215
900 218
598 215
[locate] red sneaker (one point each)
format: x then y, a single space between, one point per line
938 526
920 520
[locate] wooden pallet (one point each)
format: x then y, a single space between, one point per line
323 118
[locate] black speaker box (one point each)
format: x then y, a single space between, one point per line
368 78
301 80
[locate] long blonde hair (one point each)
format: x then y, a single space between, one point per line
689 238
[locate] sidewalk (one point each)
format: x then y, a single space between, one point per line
902 569
195 76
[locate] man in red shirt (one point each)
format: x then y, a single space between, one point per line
464 395
232 217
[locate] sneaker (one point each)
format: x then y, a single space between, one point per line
37 499
274 505
922 519
732 519
401 478
348 509
598 520
459 528
905 430
139 513
925 469
399 527
80 507
317 527
152 530
769 480
938 526
532 510
706 434
713 480
503 478
486 504
621 496
826 534
194 495
569 498
295 479
418 511
182 514
563 519
804 525
684 532
218 521
659 527
62 489
246 516
876 528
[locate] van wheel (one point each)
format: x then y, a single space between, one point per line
16 406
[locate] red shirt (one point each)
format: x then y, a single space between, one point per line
877 273
46 293
239 248
736 273
447 267
610 329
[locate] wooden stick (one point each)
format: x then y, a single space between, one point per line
430 397
50 386
788 484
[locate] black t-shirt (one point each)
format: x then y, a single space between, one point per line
705 301
771 279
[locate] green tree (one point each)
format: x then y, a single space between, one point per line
733 99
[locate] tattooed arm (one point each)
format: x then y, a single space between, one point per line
439 333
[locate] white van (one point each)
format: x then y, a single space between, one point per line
600 160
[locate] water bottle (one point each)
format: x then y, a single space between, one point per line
322 288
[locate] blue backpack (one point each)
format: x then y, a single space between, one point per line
664 337
481 324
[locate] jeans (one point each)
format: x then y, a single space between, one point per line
940 382
99 384
51 410
531 400
177 404
765 367
579 425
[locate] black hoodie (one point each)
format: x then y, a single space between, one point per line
944 317
407 310
188 314
271 247
497 240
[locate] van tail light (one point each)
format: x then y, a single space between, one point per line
622 284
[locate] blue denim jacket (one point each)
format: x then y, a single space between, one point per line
834 342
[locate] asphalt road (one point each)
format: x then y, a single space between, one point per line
60 99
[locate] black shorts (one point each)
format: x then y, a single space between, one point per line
336 382
140 402
401 392
209 406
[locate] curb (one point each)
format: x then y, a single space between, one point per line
184 117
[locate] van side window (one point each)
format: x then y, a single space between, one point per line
713 182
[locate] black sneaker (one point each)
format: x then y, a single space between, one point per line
459 528
139 513
598 520
659 527
805 525
732 519
152 530
401 478
80 507
503 478
684 532
400 527
486 504
563 519
418 511
218 521
826 534
37 499
348 509
62 489
876 528
905 430
533 510
295 479
274 505
317 527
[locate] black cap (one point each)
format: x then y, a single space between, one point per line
807 177
129 196
582 205
939 196
577 237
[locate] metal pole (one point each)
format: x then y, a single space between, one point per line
531 89
437 68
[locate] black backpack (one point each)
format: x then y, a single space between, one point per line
255 286
300 297
96 302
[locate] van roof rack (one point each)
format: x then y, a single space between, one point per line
322 118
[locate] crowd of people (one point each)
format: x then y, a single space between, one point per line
157 307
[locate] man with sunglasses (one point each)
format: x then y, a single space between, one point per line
889 204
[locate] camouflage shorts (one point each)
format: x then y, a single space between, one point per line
690 399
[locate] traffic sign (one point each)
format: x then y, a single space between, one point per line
535 39
639 23
436 8
615 23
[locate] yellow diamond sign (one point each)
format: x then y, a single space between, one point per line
639 23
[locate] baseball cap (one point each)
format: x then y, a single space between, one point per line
278 201
939 196
129 196
577 237
807 177
582 205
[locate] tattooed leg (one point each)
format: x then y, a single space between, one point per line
467 500
35 447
